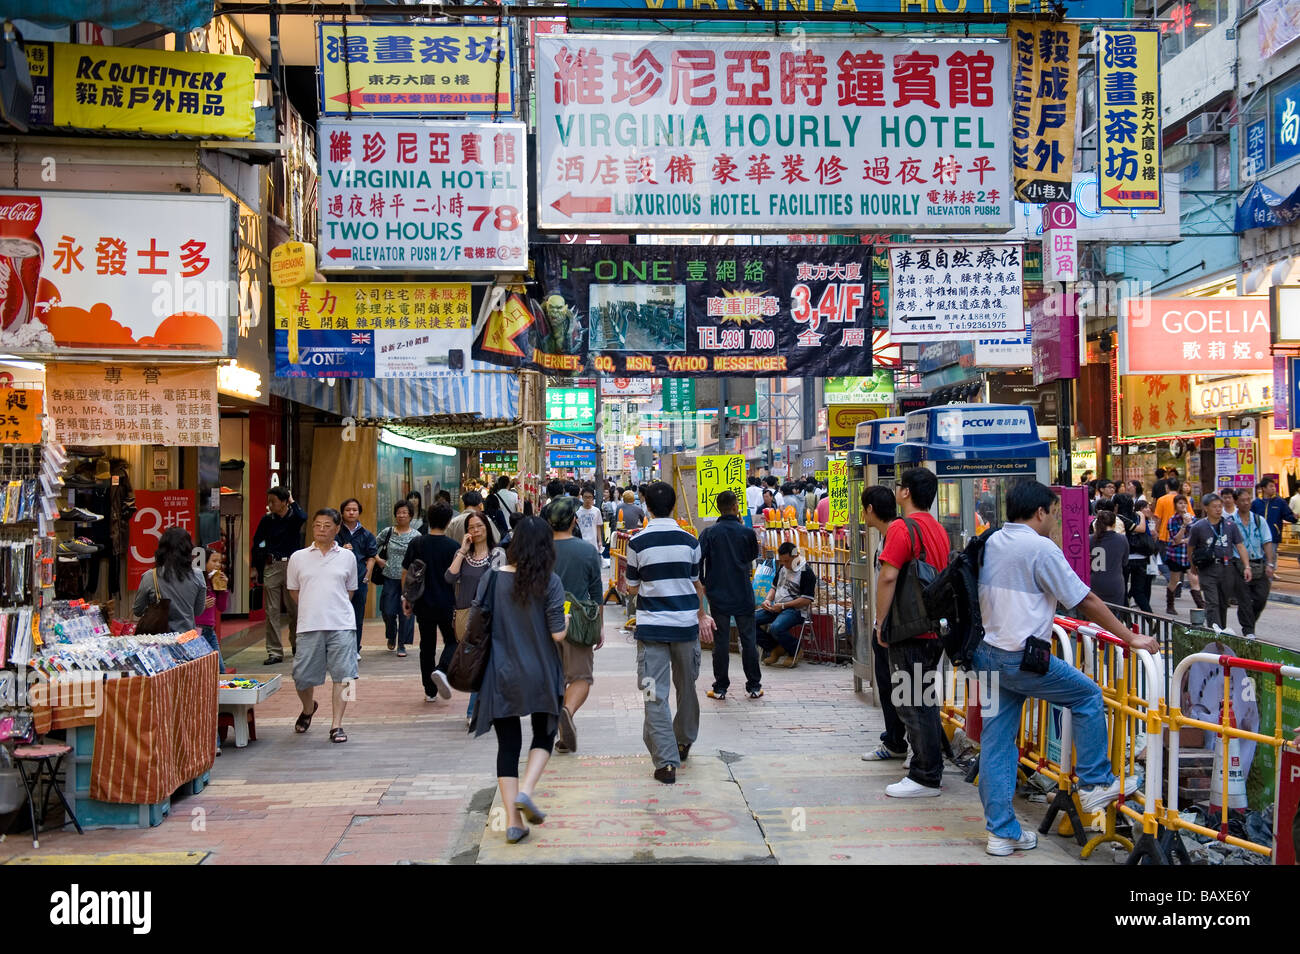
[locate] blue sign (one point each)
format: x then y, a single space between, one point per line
1265 209
1257 148
1286 123
573 460
1082 9
327 354
584 441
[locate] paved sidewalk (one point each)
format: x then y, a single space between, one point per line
775 780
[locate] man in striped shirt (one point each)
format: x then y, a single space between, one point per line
663 573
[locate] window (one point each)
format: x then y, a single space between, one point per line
1189 21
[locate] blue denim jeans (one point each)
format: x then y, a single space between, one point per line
1064 685
210 634
397 626
775 628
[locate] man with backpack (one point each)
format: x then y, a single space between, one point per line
915 550
1023 578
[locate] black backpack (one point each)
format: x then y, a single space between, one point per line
908 614
953 602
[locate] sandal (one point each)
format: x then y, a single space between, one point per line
304 720
338 735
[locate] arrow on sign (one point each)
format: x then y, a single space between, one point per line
353 96
339 253
911 318
1116 194
569 203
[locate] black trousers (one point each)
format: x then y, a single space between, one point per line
894 735
916 660
510 740
1139 585
430 624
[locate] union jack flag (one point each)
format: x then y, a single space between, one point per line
360 338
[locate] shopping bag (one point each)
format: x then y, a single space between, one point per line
763 578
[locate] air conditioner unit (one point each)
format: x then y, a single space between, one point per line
1207 127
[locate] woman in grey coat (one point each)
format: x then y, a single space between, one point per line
178 580
523 675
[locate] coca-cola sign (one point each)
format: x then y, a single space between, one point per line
19 211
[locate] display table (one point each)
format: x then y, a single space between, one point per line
239 701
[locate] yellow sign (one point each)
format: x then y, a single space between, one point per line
844 421
395 69
161 92
839 492
1128 106
1044 82
358 306
713 475
20 415
293 263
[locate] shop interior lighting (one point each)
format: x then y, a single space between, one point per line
397 440
20 363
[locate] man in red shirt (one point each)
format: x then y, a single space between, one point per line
913 663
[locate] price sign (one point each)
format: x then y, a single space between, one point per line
156 511
717 473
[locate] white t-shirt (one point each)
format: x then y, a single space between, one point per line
753 499
589 521
325 582
509 500
1023 578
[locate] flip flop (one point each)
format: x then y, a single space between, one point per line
304 720
338 735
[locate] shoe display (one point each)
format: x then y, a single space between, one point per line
1093 798
1005 846
77 548
78 515
909 789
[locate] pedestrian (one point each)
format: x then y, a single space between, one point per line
1085 478
477 552
1109 557
578 567
1105 494
471 502
1024 576
728 550
417 511
630 516
769 500
753 496
1212 542
1272 508
174 578
791 499
913 662
278 536
321 580
788 605
1138 498
393 543
497 514
1141 556
663 572
1164 504
523 676
509 498
589 520
1176 560
1253 587
435 609
353 536
881 510
217 594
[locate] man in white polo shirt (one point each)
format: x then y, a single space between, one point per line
321 580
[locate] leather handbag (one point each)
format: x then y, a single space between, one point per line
413 588
469 663
156 618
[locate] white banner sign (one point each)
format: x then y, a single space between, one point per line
625 387
649 133
406 196
955 292
1015 352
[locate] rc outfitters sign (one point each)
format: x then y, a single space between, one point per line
1195 335
639 133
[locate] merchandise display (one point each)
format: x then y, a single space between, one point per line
76 638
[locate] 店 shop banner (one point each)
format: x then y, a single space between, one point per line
1044 85
646 133
674 311
405 195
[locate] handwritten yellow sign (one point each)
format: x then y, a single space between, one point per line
713 475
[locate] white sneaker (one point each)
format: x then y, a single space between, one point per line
1005 846
1094 798
358 654
1249 637
909 789
444 687
430 698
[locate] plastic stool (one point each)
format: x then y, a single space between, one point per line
41 755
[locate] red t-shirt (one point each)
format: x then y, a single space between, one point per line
898 549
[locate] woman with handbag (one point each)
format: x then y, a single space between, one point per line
399 627
523 676
477 554
173 594
1141 548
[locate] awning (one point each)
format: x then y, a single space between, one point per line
490 395
1262 208
180 16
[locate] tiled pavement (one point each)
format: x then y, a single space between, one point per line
777 779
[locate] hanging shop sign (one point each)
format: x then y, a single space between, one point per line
156 511
582 441
434 69
843 421
1155 404
713 475
837 479
366 330
293 263
1044 83
1192 335
874 389
571 409
404 195
1130 154
1054 343
696 310
640 133
93 271
1284 303
157 92
1060 250
20 415
679 395
1253 392
1235 458
1281 394
573 460
625 387
1013 351
102 404
955 292
505 462
1081 9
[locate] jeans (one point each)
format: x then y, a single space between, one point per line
918 660
397 626
748 651
359 609
1252 597
210 634
775 628
430 625
894 736
1218 583
658 666
1062 684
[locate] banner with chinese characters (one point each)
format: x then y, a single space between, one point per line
158 92
843 421
713 475
955 292
837 471
1044 82
679 395
1195 335
102 404
1235 458
406 195
20 415
395 69
367 330
571 409
1130 156
875 389
642 133
156 511
676 311
95 271
1153 404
